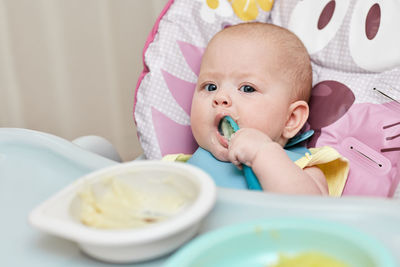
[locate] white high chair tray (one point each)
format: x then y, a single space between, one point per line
34 165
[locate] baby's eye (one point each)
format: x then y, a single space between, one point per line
247 89
210 87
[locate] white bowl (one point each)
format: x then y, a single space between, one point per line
57 215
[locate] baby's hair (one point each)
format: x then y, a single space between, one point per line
294 58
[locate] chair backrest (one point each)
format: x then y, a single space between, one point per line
356 78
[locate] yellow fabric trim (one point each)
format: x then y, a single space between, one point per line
333 165
177 157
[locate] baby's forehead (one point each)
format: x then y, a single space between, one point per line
241 41
242 33
266 46
248 50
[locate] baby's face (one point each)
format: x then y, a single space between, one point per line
239 78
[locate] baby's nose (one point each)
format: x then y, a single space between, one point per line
222 99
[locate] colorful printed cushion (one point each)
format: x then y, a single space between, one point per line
356 78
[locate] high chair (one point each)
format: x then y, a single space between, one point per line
356 75
354 108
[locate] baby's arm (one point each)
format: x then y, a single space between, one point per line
273 168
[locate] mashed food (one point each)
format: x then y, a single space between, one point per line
308 259
113 204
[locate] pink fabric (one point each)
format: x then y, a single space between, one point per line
149 40
192 55
367 134
172 137
181 90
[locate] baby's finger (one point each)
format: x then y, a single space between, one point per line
237 164
232 155
234 159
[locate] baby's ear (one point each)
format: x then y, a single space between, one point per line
297 116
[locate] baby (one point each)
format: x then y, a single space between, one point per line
260 75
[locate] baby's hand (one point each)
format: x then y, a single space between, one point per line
245 144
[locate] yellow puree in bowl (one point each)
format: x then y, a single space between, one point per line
119 205
308 259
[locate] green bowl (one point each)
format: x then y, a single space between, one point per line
259 243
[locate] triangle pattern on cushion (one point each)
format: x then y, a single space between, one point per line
181 90
172 137
192 55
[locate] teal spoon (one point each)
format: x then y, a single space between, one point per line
227 127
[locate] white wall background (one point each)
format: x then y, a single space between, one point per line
69 67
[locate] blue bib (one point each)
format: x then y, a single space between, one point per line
225 174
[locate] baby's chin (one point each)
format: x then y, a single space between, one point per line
220 154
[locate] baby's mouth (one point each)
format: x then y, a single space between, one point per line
226 127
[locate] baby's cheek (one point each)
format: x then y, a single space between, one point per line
196 121
268 125
221 155
199 136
